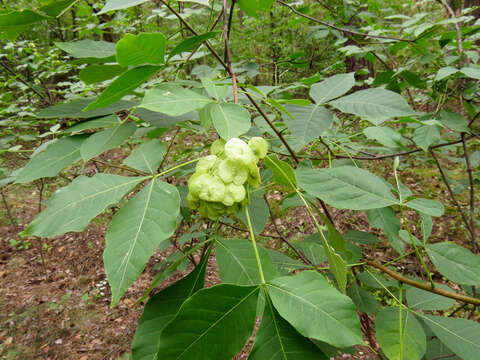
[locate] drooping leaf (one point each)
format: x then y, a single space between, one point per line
387 220
276 339
147 157
191 43
123 85
103 122
119 4
214 323
52 160
425 300
471 72
407 342
346 187
309 122
99 73
426 206
72 207
106 140
283 173
73 109
161 309
145 48
427 135
316 309
136 231
88 48
363 299
230 120
375 105
460 335
173 100
332 87
237 263
455 262
445 72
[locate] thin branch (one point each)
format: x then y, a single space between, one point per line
382 157
9 214
284 239
472 193
423 286
343 30
450 191
457 27
141 173
228 59
160 167
19 78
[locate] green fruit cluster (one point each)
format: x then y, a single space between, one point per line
218 185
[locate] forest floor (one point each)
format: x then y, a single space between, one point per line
55 301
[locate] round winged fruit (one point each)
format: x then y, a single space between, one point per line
218 185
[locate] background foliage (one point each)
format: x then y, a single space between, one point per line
371 113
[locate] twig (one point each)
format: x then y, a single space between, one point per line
472 194
426 287
457 27
324 23
382 157
284 239
452 195
160 167
9 214
137 172
246 230
228 59
19 77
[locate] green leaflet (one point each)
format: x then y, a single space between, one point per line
88 48
99 73
52 160
136 231
237 264
72 207
145 48
106 140
161 309
147 157
123 85
198 332
375 105
455 262
409 343
316 309
346 187
173 100
309 122
332 87
278 340
119 4
230 120
460 335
